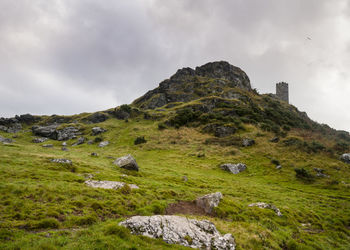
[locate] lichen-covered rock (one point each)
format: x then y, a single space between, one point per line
209 201
62 161
265 205
345 158
109 184
127 162
233 168
180 230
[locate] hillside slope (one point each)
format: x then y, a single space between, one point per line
211 117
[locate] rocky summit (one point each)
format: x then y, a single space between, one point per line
218 78
202 161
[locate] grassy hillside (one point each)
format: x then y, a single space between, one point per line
46 205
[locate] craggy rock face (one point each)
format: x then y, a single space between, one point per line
216 78
180 230
52 132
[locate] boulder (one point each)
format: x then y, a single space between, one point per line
62 161
80 141
97 117
180 230
268 206
3 128
233 168
97 130
5 140
320 173
209 201
345 158
127 162
109 184
52 132
39 140
27 118
14 128
278 167
67 133
103 144
248 142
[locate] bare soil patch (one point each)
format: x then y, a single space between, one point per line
184 207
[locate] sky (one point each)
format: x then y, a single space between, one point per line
74 56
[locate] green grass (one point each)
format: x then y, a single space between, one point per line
47 206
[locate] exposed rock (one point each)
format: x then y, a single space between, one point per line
275 139
80 141
320 173
265 205
248 142
94 154
3 128
97 130
47 146
14 128
62 161
5 140
52 132
184 178
345 158
64 144
233 168
67 133
278 167
188 84
219 130
121 114
27 118
64 149
180 230
103 144
127 162
39 140
209 201
97 117
109 184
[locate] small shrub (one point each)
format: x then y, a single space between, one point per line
140 140
302 173
125 189
85 220
188 239
98 139
126 108
47 223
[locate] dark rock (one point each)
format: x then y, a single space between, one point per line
39 140
62 161
14 128
67 133
80 141
97 130
127 162
140 140
28 118
248 142
345 158
46 131
64 149
233 168
209 202
97 117
320 173
5 140
275 139
94 154
219 130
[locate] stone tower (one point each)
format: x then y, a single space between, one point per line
282 91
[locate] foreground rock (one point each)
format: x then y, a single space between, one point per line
127 162
209 202
180 230
345 158
265 205
109 184
62 161
233 168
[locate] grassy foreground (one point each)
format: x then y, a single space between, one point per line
47 206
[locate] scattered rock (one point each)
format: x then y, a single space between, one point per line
109 184
90 142
184 178
127 162
103 144
64 149
209 201
248 142
97 130
63 161
39 140
275 139
278 167
5 140
14 128
180 230
320 173
97 117
234 168
3 128
52 132
345 158
94 154
80 141
64 144
47 146
265 205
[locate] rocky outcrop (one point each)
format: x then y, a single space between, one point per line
188 84
97 117
109 184
62 161
268 206
54 133
180 230
209 202
345 158
127 162
233 168
97 130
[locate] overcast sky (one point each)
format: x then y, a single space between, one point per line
73 56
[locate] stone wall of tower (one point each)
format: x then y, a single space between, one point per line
282 91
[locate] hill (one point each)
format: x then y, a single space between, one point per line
181 135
